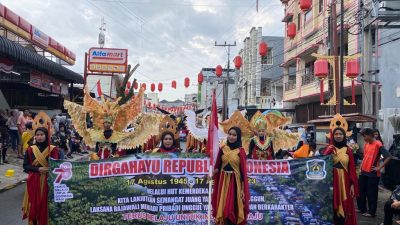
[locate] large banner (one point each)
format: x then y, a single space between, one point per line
173 189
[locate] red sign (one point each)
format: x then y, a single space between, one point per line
45 82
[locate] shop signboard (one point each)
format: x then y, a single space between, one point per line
39 37
108 60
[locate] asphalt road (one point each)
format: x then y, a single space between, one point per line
10 206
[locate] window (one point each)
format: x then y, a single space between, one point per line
320 6
298 21
307 16
268 59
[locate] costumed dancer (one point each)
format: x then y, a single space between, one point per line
345 184
104 148
35 205
230 198
169 136
260 146
108 134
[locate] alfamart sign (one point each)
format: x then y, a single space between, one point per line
111 60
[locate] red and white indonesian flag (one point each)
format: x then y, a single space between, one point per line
98 92
213 139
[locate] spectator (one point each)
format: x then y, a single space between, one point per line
370 173
27 137
3 136
61 139
392 207
12 124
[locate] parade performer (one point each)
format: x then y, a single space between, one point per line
35 206
345 184
109 122
260 145
230 199
169 136
279 139
197 137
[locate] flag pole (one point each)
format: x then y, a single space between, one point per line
211 145
209 192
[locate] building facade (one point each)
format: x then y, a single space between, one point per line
260 78
211 82
191 98
313 35
33 62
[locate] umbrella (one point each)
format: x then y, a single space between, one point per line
395 121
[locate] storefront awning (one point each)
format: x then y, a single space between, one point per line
24 56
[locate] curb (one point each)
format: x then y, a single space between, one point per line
11 186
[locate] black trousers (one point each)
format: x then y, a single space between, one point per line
368 193
389 212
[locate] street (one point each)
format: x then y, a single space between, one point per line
10 205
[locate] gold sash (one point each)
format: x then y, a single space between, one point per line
232 158
40 160
341 157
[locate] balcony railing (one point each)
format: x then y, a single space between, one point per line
307 79
290 85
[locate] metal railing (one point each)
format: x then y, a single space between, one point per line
290 85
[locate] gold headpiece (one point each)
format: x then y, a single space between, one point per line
258 121
168 124
237 120
42 120
339 121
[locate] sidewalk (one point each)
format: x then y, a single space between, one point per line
383 196
20 176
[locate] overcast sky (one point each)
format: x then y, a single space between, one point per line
171 39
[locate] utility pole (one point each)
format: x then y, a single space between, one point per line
335 46
225 89
341 95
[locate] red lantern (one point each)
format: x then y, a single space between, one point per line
187 82
135 85
200 78
128 84
173 84
263 48
144 86
321 68
160 87
291 30
126 91
321 71
305 5
238 62
218 71
152 87
352 69
154 105
149 104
